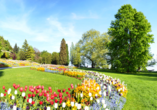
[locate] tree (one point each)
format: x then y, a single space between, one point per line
16 49
13 55
46 57
131 40
30 53
93 48
77 55
21 55
72 53
55 58
25 46
63 53
67 54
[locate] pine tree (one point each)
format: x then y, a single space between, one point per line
63 53
67 54
15 48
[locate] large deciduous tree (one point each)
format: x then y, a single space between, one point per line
93 48
131 39
63 53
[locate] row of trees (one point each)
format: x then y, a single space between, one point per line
27 52
125 46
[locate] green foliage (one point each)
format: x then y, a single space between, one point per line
16 48
76 55
93 47
45 57
25 46
30 53
55 58
72 49
67 54
5 44
63 53
21 55
131 38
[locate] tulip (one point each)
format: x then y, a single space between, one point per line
14 107
3 87
49 88
14 85
21 89
23 94
63 90
59 90
56 100
40 94
52 96
29 95
2 95
56 105
33 102
63 104
48 108
18 85
13 97
25 87
33 95
42 87
69 89
79 106
15 92
5 90
40 102
30 100
72 104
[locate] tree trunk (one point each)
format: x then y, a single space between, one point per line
139 68
93 65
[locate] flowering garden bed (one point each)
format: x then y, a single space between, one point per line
97 91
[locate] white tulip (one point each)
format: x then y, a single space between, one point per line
15 92
8 92
90 94
81 95
104 105
104 93
23 94
103 101
91 98
14 107
56 105
72 104
86 108
98 101
79 106
76 104
30 100
9 89
63 104
2 94
48 108
13 97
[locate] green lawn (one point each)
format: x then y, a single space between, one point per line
142 89
25 76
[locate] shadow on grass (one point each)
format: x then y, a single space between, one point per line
1 73
143 73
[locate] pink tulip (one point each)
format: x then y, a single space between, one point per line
21 89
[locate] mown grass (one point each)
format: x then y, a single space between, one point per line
142 88
25 76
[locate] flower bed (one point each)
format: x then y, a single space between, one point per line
97 91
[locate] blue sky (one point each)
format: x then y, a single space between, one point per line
45 22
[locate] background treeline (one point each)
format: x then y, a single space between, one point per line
27 52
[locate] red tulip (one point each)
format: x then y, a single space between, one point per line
33 95
14 85
4 94
25 87
45 94
24 97
47 91
50 91
40 94
49 88
42 87
29 95
52 96
52 102
68 95
18 85
40 102
63 90
25 90
67 92
59 90
56 100
27 100
5 90
48 98
60 94
21 89
3 87
69 89
33 102
60 101
39 87
37 91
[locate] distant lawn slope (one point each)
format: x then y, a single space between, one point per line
25 76
142 88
